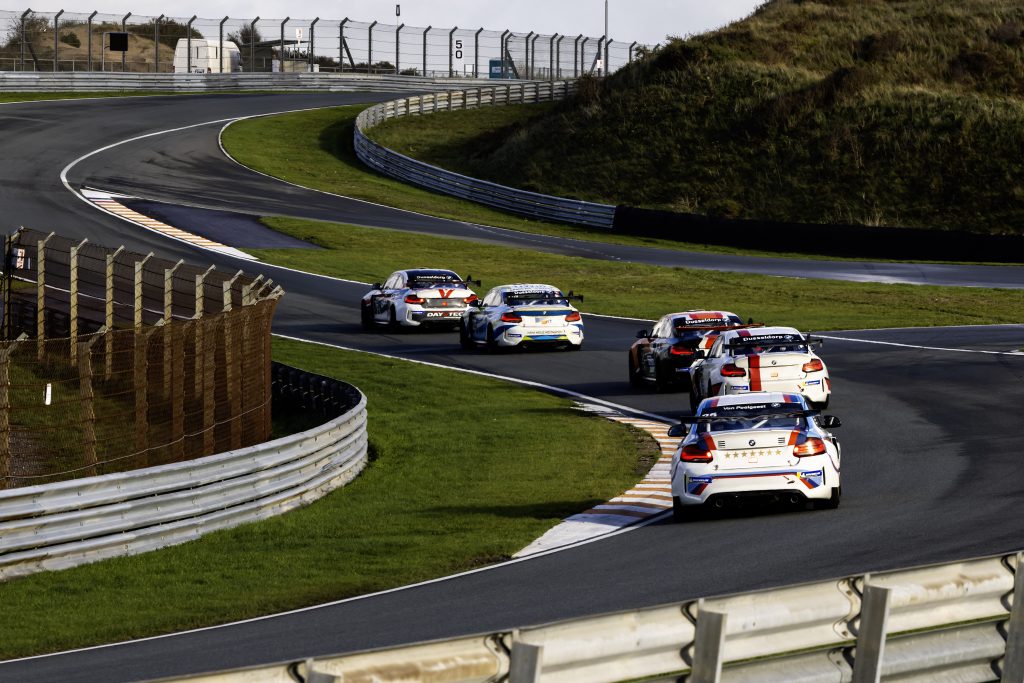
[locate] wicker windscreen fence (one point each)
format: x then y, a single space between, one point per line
113 360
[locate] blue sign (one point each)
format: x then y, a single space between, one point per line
495 69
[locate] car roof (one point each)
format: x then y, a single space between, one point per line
700 315
528 288
420 272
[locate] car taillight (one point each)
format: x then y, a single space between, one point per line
733 370
812 446
813 366
696 452
413 299
471 298
511 318
572 317
680 351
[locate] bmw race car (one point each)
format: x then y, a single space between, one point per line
517 315
663 355
757 445
765 359
418 297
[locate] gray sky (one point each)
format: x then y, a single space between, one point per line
646 21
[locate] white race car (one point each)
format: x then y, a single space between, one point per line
420 296
764 359
516 315
765 445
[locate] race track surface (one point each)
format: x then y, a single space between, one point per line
930 416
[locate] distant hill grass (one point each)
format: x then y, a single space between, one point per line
877 112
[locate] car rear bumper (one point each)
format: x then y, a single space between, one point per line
807 483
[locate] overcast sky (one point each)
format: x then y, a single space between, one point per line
646 21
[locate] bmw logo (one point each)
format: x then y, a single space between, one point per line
751 443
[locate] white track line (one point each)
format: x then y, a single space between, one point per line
917 346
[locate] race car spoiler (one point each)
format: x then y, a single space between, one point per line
772 340
718 328
572 296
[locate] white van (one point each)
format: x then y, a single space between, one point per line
205 55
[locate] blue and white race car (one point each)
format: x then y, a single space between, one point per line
417 297
767 445
517 315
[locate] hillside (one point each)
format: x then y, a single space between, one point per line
878 112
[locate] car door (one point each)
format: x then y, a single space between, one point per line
704 368
479 317
383 300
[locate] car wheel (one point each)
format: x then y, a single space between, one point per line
392 320
634 373
694 399
833 502
492 342
465 341
823 405
574 347
684 513
662 379
366 317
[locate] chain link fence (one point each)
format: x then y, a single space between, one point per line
74 41
113 360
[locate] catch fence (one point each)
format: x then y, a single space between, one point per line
114 360
75 41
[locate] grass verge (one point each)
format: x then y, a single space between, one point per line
641 291
440 495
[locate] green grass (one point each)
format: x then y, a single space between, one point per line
442 494
635 290
837 111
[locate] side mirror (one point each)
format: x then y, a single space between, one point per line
643 334
750 321
678 430
377 285
830 421
700 353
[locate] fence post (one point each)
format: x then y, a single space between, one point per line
5 284
451 53
56 39
312 43
281 53
231 361
708 647
341 45
41 296
86 410
252 45
1013 665
124 29
156 44
576 56
369 48
74 300
398 48
867 665
209 381
5 414
476 54
177 382
140 366
109 314
168 315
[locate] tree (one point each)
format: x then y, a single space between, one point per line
171 30
245 35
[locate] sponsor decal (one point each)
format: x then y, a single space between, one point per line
754 363
445 293
813 382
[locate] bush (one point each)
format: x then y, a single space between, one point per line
71 38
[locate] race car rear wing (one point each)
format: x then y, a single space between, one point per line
685 421
573 297
470 281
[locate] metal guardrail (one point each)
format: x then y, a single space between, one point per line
214 82
64 524
950 622
406 169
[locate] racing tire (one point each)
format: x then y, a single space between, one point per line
465 341
366 317
574 347
833 501
635 380
684 513
662 381
492 342
694 399
392 320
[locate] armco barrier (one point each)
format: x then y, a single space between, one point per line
532 204
54 526
83 81
948 622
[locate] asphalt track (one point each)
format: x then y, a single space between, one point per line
930 437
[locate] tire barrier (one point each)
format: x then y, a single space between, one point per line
835 240
68 523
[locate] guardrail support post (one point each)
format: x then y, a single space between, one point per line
525 663
5 413
708 647
73 303
867 665
1013 664
108 305
41 296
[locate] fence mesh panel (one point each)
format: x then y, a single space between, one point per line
132 368
44 41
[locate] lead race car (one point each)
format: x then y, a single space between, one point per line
418 297
766 359
765 445
524 314
663 355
